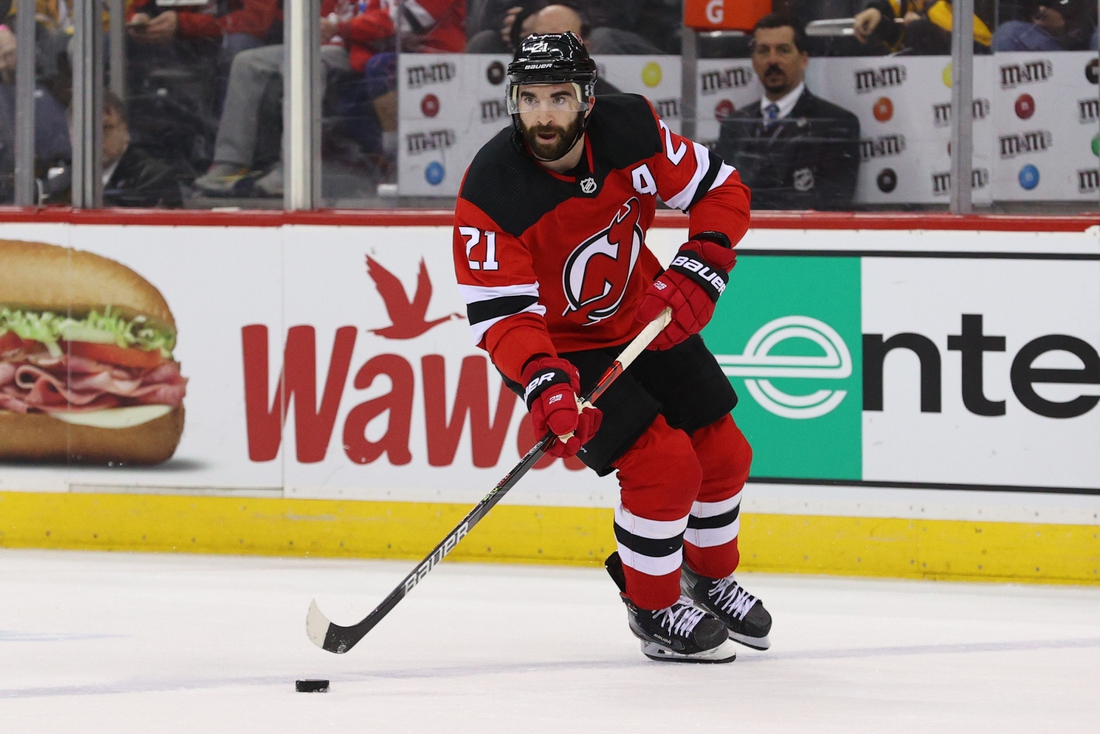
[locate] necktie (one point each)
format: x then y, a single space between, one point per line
771 114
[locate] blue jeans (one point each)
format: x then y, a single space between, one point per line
1016 35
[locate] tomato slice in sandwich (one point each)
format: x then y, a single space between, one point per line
111 354
10 341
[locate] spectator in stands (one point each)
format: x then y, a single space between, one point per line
130 176
54 31
178 59
233 25
1052 25
610 26
918 27
51 138
560 19
355 38
794 150
9 47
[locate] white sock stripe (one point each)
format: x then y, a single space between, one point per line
640 526
713 509
710 537
649 565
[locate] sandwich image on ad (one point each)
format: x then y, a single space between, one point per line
87 374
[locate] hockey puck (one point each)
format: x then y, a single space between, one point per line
311 686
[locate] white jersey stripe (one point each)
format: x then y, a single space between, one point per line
481 327
649 565
654 529
683 199
713 509
723 173
472 294
710 537
475 293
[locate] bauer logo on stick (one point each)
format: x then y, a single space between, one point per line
439 554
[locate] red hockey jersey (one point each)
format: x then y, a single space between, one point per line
551 263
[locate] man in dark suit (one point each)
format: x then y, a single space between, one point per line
794 150
131 177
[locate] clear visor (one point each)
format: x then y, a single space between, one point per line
546 98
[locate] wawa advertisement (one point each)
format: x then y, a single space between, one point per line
337 362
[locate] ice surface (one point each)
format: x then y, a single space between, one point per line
120 643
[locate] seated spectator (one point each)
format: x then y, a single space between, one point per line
560 19
360 42
610 26
793 150
51 138
1053 25
181 56
918 27
130 176
233 25
53 31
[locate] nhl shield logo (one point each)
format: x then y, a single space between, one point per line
803 179
588 185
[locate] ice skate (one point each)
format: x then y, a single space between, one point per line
681 633
745 616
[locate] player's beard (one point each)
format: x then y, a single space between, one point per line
567 137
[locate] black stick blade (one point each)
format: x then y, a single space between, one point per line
334 638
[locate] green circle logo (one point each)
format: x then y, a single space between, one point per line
1096 145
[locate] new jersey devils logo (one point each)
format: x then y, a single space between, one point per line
597 271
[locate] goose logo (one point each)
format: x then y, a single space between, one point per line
758 363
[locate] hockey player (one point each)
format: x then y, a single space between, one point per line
550 257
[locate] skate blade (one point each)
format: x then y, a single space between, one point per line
756 643
724 653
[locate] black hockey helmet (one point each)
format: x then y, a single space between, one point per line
553 58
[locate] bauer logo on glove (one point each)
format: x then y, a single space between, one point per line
690 288
689 264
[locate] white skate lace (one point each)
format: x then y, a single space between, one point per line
731 598
680 618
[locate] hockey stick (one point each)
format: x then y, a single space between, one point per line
337 639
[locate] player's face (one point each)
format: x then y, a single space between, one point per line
778 63
550 117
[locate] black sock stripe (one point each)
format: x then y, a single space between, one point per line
494 308
716 521
652 547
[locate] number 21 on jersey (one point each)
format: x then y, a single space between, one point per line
473 237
